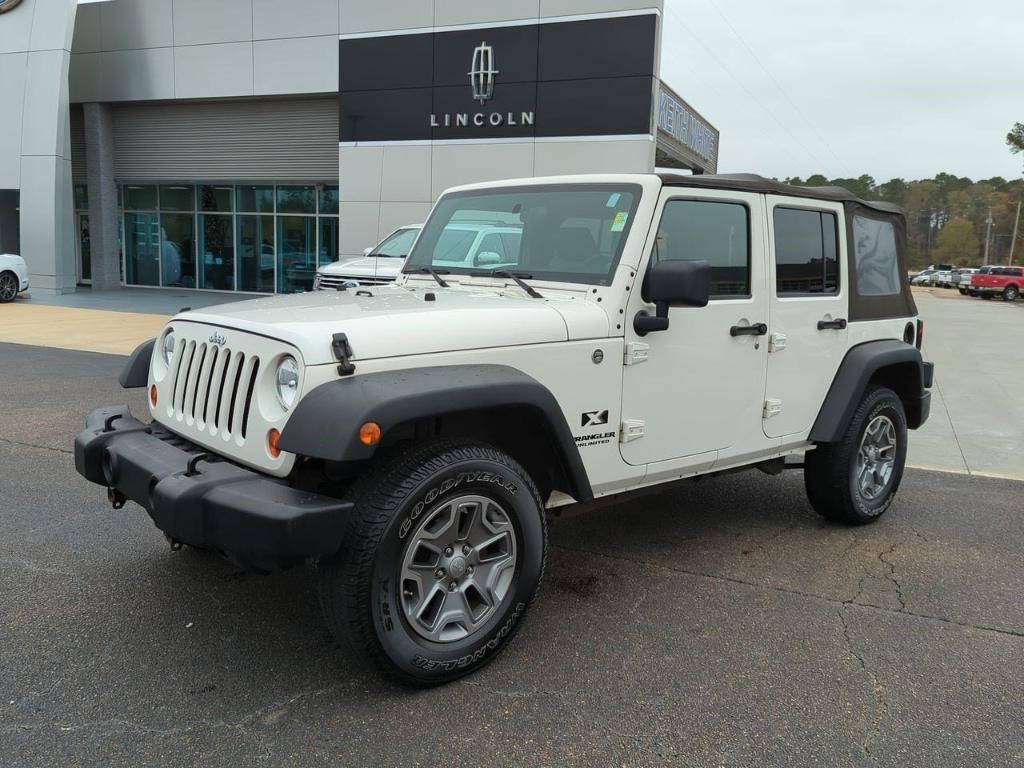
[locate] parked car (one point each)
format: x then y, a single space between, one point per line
377 266
941 278
983 270
962 278
13 277
923 278
411 438
998 281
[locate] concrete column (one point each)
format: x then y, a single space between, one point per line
99 157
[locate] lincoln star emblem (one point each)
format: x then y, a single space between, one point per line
6 5
218 339
482 72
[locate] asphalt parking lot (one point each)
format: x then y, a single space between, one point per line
720 624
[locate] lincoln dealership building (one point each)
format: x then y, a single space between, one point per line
237 144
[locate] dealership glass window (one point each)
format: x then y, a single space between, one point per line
255 198
328 250
216 252
806 255
177 250
296 199
215 197
141 248
177 197
328 199
696 230
139 197
874 243
296 253
255 237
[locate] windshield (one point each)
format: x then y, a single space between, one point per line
569 233
397 244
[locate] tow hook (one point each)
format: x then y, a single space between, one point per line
116 498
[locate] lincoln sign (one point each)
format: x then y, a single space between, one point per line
525 80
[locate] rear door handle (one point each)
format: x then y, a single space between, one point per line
757 329
832 325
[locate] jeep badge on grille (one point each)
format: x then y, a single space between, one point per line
218 339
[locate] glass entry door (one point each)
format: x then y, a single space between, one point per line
84 254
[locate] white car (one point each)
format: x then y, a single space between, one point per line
377 266
942 279
549 342
13 277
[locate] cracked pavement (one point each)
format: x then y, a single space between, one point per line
722 623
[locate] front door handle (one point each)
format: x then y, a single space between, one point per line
757 329
832 325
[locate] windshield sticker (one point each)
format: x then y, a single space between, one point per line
613 200
619 222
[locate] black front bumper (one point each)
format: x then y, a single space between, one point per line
256 520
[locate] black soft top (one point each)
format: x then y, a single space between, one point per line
751 182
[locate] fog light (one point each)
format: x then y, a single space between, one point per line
273 437
152 394
369 433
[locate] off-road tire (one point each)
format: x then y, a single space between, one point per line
1010 293
359 586
830 469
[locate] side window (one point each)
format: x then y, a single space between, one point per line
696 230
874 244
806 253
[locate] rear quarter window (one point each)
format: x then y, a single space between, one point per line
877 265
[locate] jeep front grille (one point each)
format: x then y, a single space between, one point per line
212 388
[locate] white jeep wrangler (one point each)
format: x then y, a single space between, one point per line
409 438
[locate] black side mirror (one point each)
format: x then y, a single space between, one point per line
672 284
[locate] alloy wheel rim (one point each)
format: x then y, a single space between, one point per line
876 457
8 287
458 568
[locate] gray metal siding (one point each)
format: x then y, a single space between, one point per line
279 140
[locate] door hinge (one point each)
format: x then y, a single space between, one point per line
636 352
772 407
631 429
776 342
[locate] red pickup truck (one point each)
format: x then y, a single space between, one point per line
997 281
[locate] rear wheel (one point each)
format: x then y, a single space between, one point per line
8 287
444 552
855 480
1011 293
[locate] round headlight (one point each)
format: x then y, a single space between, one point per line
167 347
287 381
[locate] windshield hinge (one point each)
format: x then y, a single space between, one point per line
631 429
343 351
636 352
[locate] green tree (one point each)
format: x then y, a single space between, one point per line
1015 138
957 243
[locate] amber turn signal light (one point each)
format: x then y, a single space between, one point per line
369 433
152 394
273 437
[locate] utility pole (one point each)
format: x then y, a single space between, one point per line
988 232
1013 240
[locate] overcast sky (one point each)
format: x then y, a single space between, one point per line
896 88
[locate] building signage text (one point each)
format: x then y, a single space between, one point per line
680 122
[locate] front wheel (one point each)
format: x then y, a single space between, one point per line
855 480
444 552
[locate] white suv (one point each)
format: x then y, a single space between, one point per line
621 332
13 277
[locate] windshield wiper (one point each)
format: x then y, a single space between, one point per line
434 273
517 278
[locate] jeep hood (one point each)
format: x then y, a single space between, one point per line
365 266
395 321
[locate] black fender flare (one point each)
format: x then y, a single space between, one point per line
861 363
326 422
136 371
